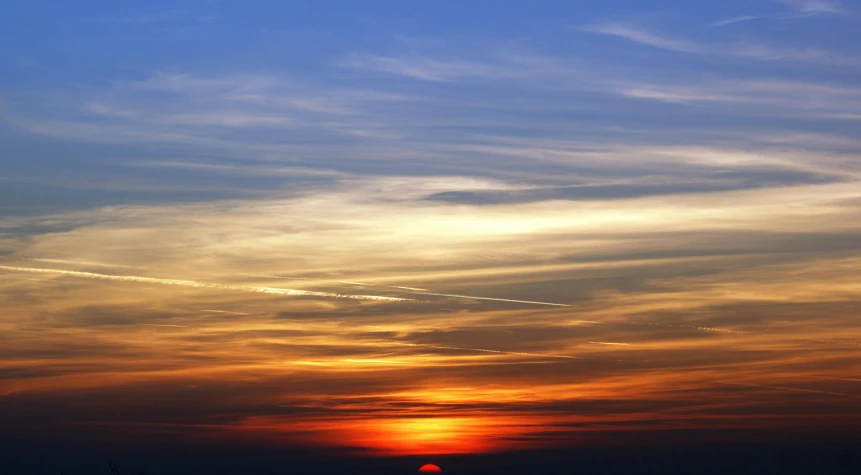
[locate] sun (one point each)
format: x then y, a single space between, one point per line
430 468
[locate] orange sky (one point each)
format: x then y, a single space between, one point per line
402 327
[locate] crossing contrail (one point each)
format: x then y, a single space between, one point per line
417 291
473 297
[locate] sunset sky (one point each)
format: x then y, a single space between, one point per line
388 228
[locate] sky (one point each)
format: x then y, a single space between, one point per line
387 229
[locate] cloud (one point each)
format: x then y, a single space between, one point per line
429 69
771 53
94 264
735 19
265 111
814 6
138 19
743 49
692 284
801 9
764 97
168 16
641 36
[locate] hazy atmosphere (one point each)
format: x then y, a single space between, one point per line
427 231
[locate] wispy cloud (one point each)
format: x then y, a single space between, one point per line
485 350
744 49
145 19
83 263
765 97
705 270
639 35
800 9
168 16
430 69
196 110
814 6
735 19
808 55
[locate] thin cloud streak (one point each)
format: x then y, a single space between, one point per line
473 297
749 50
83 263
416 291
814 6
485 350
737 19
641 36
264 290
791 389
429 69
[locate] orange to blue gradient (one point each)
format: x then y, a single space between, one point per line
430 230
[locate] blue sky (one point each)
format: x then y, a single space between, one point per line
341 84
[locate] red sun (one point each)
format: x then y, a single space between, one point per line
430 468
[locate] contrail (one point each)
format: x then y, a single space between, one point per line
836 342
268 276
225 311
205 285
854 380
484 350
82 263
796 390
414 291
408 288
747 332
488 298
381 285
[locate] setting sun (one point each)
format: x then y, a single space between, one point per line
430 468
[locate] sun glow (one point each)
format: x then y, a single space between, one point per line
427 435
430 468
397 436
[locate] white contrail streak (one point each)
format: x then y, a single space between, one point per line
227 312
472 297
82 263
268 276
269 290
204 285
365 284
409 288
416 291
